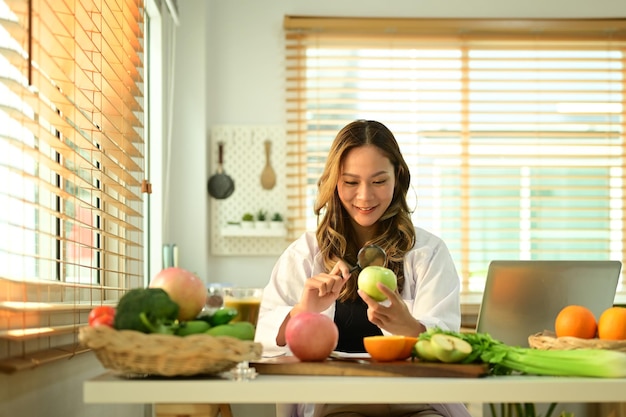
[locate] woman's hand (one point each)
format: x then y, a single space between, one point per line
392 315
322 290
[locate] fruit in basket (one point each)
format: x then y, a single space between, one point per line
147 310
311 337
102 316
370 276
222 315
190 327
575 321
184 288
242 330
612 324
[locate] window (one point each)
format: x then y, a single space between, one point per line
514 129
72 164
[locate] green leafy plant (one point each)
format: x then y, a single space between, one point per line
277 217
247 217
261 215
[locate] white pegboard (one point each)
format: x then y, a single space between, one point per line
244 160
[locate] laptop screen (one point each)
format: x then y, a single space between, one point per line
522 298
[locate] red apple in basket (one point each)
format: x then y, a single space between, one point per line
184 288
311 337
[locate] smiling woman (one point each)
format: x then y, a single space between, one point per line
71 159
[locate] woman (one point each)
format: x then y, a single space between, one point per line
362 200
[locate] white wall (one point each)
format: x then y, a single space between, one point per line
230 71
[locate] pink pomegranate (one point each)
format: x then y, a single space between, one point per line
184 288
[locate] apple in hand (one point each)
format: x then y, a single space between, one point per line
311 337
371 275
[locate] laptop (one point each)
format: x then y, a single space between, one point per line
522 298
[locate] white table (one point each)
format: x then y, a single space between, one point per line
272 389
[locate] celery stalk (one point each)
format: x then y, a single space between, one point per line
504 359
581 362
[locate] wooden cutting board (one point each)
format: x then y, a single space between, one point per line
290 365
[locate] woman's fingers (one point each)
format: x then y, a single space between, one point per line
385 312
321 290
326 284
392 296
342 269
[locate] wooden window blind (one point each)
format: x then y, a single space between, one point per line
514 130
71 163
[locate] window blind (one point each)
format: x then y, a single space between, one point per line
71 163
514 130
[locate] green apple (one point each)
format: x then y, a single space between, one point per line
425 351
449 349
371 275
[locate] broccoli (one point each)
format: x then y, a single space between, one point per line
147 310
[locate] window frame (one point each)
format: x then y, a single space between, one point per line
78 117
305 161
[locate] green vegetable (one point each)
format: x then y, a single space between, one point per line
147 310
504 359
242 330
186 328
222 316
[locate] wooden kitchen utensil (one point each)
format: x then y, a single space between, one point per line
268 176
220 185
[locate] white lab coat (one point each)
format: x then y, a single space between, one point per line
431 292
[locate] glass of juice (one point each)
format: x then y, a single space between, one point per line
246 300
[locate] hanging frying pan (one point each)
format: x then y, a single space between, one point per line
220 185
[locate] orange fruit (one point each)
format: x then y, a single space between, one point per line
409 344
576 321
384 348
612 324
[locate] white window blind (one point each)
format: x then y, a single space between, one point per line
71 163
514 130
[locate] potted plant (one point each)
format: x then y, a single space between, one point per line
261 217
277 221
233 225
247 221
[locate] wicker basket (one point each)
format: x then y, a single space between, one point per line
548 341
136 353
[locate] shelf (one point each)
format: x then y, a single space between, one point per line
234 231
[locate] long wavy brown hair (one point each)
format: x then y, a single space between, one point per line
335 235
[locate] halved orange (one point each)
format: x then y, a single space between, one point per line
409 344
384 348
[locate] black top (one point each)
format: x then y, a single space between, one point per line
351 320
